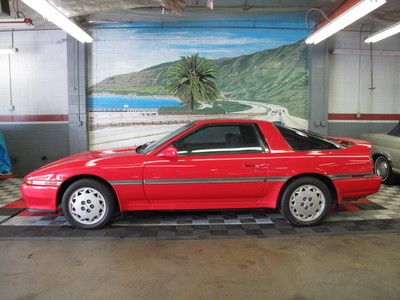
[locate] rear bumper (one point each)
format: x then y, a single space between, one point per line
39 198
356 188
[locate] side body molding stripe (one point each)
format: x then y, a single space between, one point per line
276 178
351 176
229 180
125 182
204 180
200 180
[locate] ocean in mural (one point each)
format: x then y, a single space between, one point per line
259 73
116 102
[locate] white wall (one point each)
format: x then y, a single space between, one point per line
39 87
38 73
344 77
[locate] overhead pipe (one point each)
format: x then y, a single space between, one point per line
12 107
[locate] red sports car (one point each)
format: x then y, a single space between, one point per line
211 164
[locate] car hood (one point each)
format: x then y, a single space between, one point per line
88 159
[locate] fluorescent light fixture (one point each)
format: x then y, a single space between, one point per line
52 14
8 50
383 34
351 15
15 24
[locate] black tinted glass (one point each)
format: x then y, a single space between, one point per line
220 138
146 148
302 140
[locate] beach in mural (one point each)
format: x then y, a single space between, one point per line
260 74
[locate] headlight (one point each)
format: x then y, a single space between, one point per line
42 180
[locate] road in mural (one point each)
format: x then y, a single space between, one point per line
141 89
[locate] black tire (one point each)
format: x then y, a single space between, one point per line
95 188
389 177
289 190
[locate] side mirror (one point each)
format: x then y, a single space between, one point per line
169 152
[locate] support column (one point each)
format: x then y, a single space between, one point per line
318 88
77 97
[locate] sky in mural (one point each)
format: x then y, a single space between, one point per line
134 49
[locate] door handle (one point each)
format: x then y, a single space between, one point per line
255 165
251 165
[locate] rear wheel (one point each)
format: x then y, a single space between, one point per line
384 170
88 204
305 201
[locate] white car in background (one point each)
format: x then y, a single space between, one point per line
386 153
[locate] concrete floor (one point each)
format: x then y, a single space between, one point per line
316 267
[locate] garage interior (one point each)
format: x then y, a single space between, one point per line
62 94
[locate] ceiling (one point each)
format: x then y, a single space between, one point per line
79 8
89 12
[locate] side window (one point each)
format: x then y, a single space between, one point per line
237 138
303 141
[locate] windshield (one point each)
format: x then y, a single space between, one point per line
395 131
146 148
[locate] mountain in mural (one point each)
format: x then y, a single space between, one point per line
276 76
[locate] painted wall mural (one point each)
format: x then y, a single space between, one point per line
145 82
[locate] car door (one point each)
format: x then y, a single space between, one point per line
218 165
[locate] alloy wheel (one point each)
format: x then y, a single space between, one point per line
87 205
382 167
307 202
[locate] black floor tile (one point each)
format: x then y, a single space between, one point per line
253 231
384 226
369 206
320 229
10 211
353 228
287 231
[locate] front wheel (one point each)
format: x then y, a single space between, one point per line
88 204
305 201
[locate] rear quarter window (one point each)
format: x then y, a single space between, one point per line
305 141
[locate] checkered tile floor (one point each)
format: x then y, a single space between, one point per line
380 212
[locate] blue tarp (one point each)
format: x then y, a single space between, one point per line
5 164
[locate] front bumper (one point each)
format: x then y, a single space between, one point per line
356 188
39 198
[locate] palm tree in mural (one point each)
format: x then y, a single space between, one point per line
192 79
